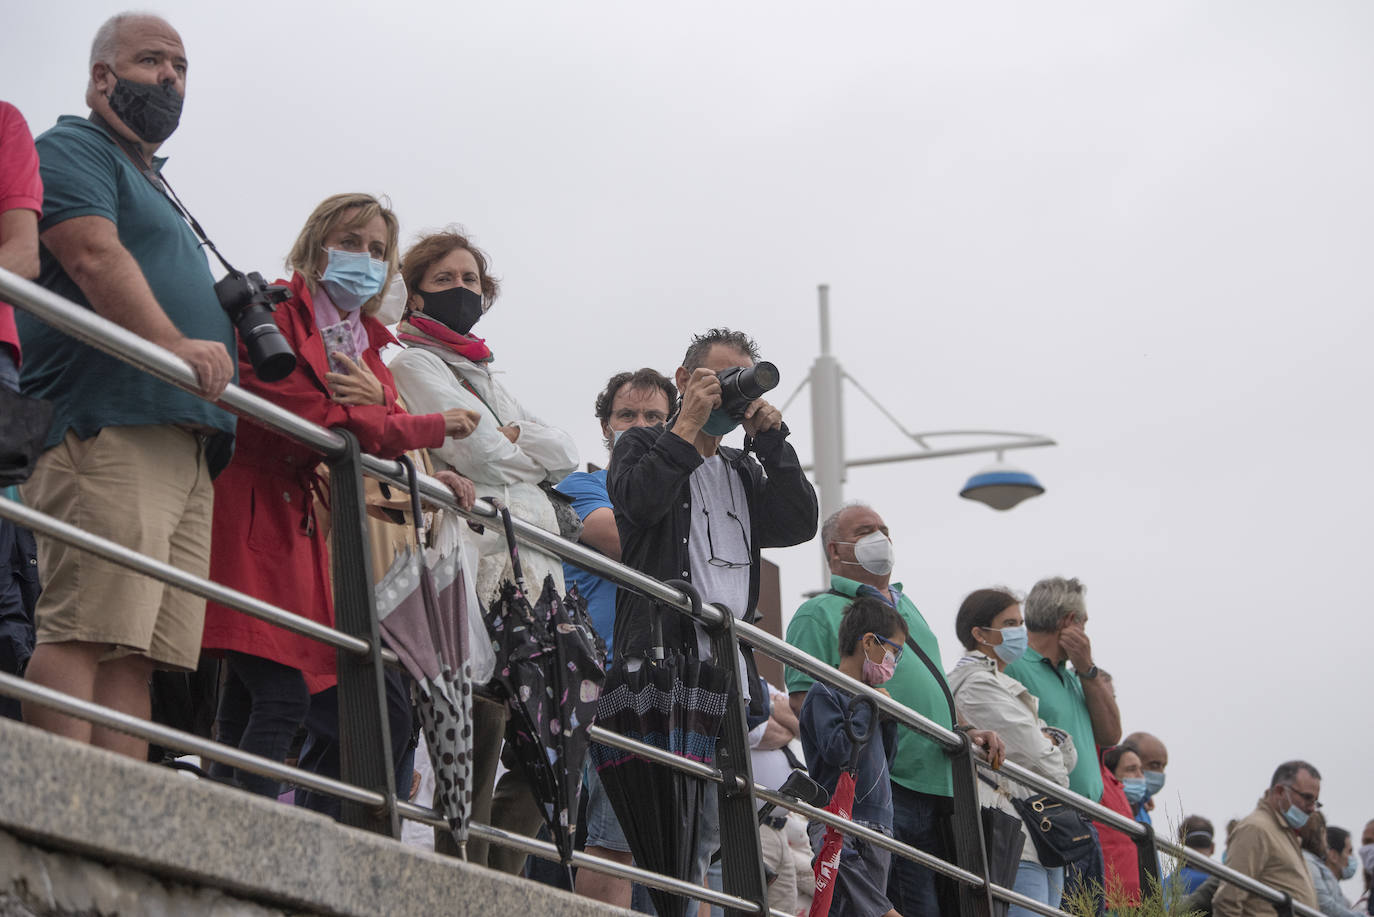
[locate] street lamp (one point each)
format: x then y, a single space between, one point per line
1000 486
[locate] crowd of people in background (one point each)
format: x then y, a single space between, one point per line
171 475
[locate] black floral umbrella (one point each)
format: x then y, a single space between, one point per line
549 671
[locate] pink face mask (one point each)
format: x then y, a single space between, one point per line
876 673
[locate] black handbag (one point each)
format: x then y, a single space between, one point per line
1061 834
24 425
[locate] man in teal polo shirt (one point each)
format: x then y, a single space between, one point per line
129 457
1075 700
858 549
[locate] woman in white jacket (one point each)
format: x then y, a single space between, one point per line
508 456
989 625
512 451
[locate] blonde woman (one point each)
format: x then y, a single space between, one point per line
267 540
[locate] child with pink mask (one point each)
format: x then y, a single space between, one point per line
872 636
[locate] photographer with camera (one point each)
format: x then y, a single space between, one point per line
688 507
267 540
129 457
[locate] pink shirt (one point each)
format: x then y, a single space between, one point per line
20 189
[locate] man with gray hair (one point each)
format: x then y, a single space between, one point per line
129 458
860 553
1078 700
1264 844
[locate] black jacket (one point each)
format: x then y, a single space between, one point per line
647 481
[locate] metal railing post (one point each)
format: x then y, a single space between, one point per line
364 733
741 854
1148 859
970 852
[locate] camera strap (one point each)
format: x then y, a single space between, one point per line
163 187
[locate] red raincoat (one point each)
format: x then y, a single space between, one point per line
265 538
1120 857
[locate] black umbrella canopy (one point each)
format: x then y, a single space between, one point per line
551 677
676 704
549 671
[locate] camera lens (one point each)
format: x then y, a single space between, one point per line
268 350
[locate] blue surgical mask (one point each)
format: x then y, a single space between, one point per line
1154 782
1013 645
719 423
615 438
352 278
1295 817
1352 866
1135 789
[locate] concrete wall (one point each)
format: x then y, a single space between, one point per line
83 831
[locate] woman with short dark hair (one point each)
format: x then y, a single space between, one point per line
990 626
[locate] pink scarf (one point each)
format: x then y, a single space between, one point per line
417 329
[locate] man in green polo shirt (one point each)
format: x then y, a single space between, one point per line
858 549
1076 699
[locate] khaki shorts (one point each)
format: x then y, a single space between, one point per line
147 488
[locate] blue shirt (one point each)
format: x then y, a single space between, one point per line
588 493
86 174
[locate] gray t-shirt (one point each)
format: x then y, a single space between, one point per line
720 533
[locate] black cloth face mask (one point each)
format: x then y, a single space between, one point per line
150 110
457 307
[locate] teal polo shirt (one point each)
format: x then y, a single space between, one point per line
1062 704
920 763
86 174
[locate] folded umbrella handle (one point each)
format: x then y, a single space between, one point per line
416 510
511 545
859 739
656 621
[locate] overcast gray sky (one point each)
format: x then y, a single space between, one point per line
1143 230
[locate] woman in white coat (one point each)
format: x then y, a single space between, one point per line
990 626
508 456
512 451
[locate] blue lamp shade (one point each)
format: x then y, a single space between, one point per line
1001 487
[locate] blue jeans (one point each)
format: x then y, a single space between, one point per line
1088 871
1042 883
916 820
261 707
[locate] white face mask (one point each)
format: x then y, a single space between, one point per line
873 552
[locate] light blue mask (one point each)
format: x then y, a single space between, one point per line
719 423
1154 782
1013 645
1352 866
352 278
1295 817
1135 789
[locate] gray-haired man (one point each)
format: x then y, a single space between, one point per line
1075 700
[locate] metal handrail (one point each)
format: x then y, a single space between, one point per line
116 553
98 332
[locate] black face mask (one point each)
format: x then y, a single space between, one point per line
150 110
457 307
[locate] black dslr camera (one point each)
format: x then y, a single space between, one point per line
741 385
250 300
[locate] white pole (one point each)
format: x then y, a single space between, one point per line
827 424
